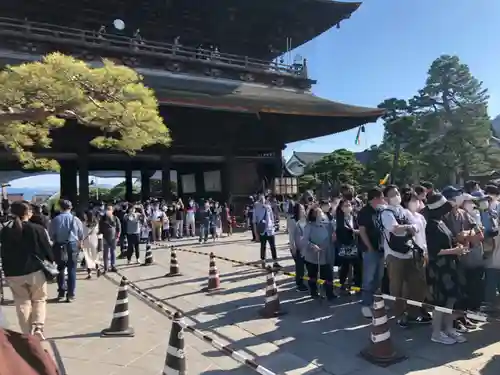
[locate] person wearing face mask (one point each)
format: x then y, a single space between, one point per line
156 219
204 217
299 218
400 248
110 228
133 223
491 247
444 274
319 252
412 203
263 223
190 218
371 248
465 229
346 236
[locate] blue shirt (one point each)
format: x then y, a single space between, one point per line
259 214
61 231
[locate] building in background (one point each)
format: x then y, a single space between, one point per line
300 160
14 197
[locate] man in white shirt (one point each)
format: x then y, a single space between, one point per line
403 271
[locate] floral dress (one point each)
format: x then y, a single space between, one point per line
444 276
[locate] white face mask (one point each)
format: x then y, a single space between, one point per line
413 206
325 208
395 201
469 207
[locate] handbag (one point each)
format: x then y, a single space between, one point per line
49 269
348 251
61 249
262 224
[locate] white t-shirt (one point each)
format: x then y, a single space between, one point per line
419 221
389 222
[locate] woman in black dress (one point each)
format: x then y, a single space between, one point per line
444 277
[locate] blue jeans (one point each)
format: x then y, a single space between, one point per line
108 255
492 277
373 272
204 229
69 287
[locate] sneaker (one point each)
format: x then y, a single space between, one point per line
276 265
61 298
403 321
137 261
457 336
302 288
367 312
129 262
70 299
38 332
443 338
422 319
113 269
459 326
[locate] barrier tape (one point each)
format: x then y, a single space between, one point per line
160 306
469 314
259 266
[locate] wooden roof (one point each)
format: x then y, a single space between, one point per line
257 28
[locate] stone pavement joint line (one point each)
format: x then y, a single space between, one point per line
481 317
158 304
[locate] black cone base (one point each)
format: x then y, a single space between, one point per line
382 362
265 314
129 332
207 290
173 274
147 264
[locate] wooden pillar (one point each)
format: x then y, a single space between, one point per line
83 181
166 183
145 185
128 185
68 182
228 177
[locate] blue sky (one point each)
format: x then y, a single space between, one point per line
383 51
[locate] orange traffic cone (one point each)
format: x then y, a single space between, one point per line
175 361
174 266
271 308
213 275
380 351
120 323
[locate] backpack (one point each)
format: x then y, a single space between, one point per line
399 244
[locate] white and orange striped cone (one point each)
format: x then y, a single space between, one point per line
175 361
271 307
380 351
213 276
174 265
148 257
120 323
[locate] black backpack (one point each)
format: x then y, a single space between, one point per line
399 244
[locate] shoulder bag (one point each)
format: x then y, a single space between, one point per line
61 249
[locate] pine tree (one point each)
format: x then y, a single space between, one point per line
452 108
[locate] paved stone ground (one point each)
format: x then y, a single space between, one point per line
75 329
313 338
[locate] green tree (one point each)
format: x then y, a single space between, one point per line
37 97
307 182
452 108
337 168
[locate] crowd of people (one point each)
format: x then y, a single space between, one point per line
40 245
439 247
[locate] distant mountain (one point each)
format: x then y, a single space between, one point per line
29 192
495 125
